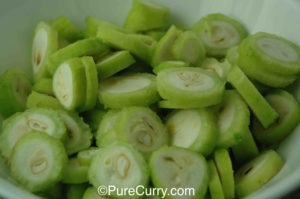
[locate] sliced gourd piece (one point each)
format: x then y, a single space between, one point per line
74 173
91 193
220 68
289 117
84 47
145 16
177 167
93 118
79 136
76 191
163 49
37 161
38 100
15 86
69 84
246 150
44 86
194 129
219 33
232 55
258 172
155 34
102 55
215 186
190 86
261 108
85 157
113 63
142 128
224 167
119 165
137 89
45 43
169 64
91 83
233 119
38 119
188 48
65 28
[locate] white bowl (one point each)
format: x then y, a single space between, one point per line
282 17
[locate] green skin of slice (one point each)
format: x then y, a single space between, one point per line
44 86
91 193
169 64
38 100
85 157
215 186
76 191
156 34
258 104
74 173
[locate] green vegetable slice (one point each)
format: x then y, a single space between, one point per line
177 167
215 186
261 108
137 89
169 64
44 86
15 86
194 129
85 157
289 117
232 55
37 161
91 193
74 173
38 100
258 172
156 34
76 191
220 68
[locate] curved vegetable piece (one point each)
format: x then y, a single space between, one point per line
93 118
76 191
232 55
194 129
85 157
169 64
224 167
219 33
233 119
258 172
113 63
44 86
120 165
261 108
189 85
38 119
137 89
177 167
74 173
145 16
38 100
215 186
15 86
37 161
91 193
69 84
91 46
289 117
220 68
79 136
45 43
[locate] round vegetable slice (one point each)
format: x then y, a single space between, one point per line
289 117
188 85
69 84
38 100
74 173
215 186
177 167
224 167
220 68
261 108
258 172
119 165
113 63
85 157
45 43
76 191
194 129
169 64
15 86
37 161
137 89
44 85
218 33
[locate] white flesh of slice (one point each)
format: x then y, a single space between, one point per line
40 43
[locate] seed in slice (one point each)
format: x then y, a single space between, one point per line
194 129
37 161
137 89
261 108
220 68
190 86
38 100
84 47
76 191
69 84
180 168
114 63
91 193
215 186
45 43
169 64
74 173
38 119
85 157
93 118
15 86
44 86
258 172
233 119
119 165
224 167
219 33
289 117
